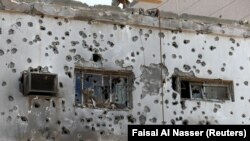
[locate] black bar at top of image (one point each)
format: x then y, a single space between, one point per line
194 132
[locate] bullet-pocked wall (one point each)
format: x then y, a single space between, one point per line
60 44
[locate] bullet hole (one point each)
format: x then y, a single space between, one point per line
60 84
175 103
174 56
8 41
74 43
14 70
40 21
198 61
30 24
212 48
174 44
241 68
77 57
65 130
186 67
66 33
13 51
24 39
193 50
11 31
166 101
11 65
203 64
172 121
19 24
154 120
111 44
94 35
185 122
58 122
183 105
222 69
68 74
216 38
142 119
11 98
146 109
242 98
156 101
30 42
238 44
243 115
209 72
36 105
46 54
215 110
96 43
29 60
59 23
9 118
232 40
66 68
1 52
237 84
49 33
132 54
137 53
72 50
37 38
96 57
135 38
230 53
246 83
68 58
24 119
174 96
47 120
2 113
161 35
42 28
199 56
186 41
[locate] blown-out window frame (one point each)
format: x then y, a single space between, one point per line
183 85
110 75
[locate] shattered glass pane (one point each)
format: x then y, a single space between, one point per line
91 91
102 91
78 89
119 91
217 92
197 91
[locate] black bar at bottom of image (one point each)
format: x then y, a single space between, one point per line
196 132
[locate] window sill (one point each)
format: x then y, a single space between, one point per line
206 100
104 109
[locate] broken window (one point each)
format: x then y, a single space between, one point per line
103 88
203 89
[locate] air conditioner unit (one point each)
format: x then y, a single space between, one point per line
37 83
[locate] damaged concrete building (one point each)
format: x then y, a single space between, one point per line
84 73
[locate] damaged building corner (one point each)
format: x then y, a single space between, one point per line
76 72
